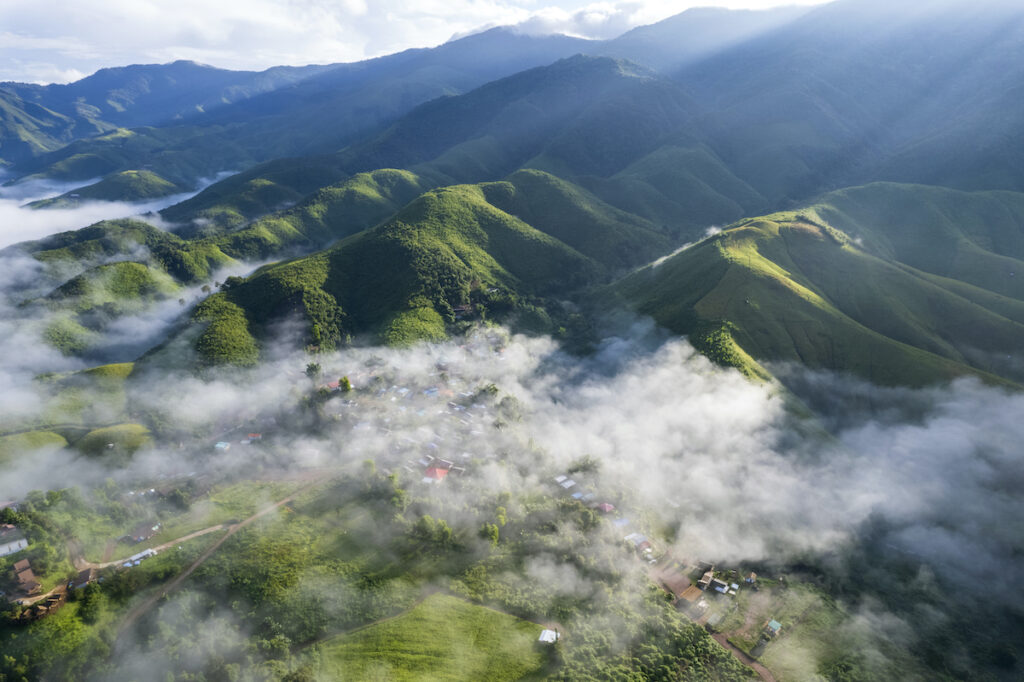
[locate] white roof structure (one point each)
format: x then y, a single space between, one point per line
548 637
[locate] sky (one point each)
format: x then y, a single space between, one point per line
47 41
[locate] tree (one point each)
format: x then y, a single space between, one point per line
313 370
489 531
344 384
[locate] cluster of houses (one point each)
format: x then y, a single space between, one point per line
53 600
43 607
639 542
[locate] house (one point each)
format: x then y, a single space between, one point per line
676 583
640 542
548 636
772 628
144 554
705 580
434 475
43 608
27 582
719 586
83 578
691 595
11 540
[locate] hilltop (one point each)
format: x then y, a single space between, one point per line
867 280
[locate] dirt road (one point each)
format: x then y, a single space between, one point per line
140 609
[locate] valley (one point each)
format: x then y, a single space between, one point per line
689 354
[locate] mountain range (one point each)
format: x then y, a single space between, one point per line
504 176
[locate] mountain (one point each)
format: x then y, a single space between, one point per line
462 247
901 284
280 114
123 186
859 90
129 96
695 34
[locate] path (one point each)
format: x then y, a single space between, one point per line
744 658
140 609
80 563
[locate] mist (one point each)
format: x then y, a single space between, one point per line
19 223
724 465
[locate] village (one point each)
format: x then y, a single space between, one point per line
429 432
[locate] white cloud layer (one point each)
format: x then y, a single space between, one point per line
62 40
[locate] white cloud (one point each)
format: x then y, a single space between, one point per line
57 40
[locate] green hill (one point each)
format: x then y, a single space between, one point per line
452 247
263 189
185 261
442 638
326 215
130 185
866 281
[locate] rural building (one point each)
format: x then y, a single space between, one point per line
640 542
676 583
44 607
772 628
752 578
27 582
83 578
11 540
222 446
548 636
606 508
691 595
434 475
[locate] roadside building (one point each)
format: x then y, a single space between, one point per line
11 540
84 577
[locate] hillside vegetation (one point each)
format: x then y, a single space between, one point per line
129 185
452 247
867 280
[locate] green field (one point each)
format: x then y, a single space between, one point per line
442 638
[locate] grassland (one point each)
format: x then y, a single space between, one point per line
442 638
